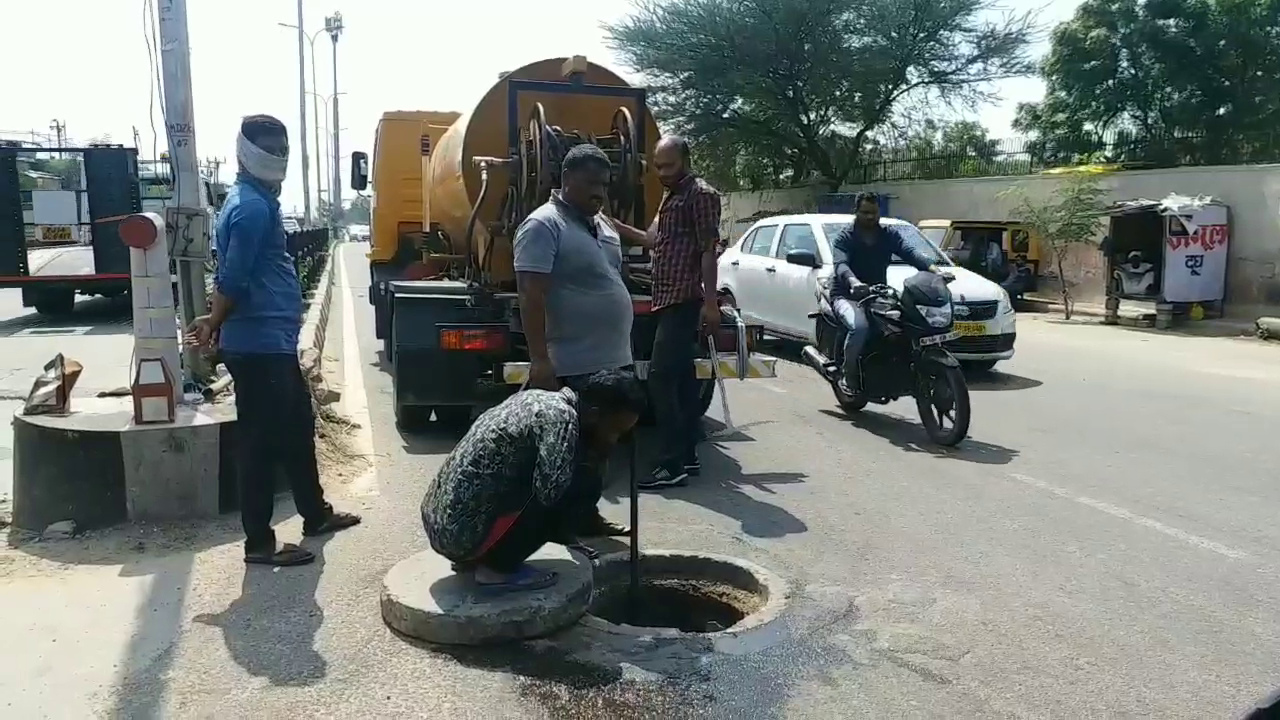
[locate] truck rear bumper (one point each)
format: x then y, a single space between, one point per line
757 366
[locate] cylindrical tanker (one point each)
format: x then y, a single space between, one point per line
590 107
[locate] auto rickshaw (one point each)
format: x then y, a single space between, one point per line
1006 252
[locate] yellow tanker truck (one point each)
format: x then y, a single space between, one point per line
449 191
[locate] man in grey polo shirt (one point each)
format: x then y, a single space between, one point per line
575 307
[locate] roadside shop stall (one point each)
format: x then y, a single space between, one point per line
1171 253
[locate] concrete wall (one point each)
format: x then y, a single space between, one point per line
1252 192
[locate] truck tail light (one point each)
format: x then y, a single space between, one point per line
474 339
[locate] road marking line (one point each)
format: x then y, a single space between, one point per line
1123 514
770 387
52 331
355 397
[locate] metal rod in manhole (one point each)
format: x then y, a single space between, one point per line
634 590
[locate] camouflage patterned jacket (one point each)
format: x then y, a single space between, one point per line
523 450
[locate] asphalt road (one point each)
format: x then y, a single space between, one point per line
1103 546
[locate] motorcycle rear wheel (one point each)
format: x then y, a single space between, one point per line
943 385
850 403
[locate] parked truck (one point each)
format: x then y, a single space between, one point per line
449 191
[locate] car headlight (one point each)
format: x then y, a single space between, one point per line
938 317
1006 305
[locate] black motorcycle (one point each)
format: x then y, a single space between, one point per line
903 357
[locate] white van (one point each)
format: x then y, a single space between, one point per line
755 277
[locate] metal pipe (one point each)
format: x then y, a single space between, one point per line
634 588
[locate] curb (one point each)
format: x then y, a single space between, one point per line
314 325
1051 306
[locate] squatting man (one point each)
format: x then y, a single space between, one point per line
522 477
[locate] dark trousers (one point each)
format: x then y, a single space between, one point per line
673 379
275 432
537 525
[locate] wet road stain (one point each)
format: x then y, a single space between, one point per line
589 676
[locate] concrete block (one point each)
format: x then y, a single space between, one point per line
171 471
424 599
94 466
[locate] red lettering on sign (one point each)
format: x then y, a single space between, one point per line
1208 237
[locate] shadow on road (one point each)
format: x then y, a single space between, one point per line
909 435
435 438
993 381
92 316
721 488
270 630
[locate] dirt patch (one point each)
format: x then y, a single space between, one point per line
336 453
695 606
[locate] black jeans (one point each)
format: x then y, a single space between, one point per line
538 525
673 379
275 432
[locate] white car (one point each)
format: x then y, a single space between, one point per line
358 233
755 277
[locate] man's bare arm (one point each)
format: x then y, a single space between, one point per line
533 312
706 214
633 237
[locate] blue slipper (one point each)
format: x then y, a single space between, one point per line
525 579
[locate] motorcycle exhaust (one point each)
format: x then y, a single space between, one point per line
816 360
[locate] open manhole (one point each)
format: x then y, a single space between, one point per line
682 592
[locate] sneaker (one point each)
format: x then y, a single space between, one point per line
693 466
664 477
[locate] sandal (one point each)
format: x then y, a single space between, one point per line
286 555
525 579
332 524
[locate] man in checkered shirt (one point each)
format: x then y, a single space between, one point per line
683 240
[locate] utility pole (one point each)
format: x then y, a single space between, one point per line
333 24
186 222
302 112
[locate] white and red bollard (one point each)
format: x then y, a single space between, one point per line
157 382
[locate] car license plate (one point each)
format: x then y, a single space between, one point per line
937 339
970 328
55 233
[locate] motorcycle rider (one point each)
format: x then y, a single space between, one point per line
861 254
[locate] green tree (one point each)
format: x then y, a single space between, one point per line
805 83
357 212
1148 72
1073 216
934 149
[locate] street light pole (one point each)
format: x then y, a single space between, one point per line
315 108
302 111
333 24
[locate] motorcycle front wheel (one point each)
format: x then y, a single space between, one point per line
942 397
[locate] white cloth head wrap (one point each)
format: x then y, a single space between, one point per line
260 163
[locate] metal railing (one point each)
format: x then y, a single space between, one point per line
310 251
1026 156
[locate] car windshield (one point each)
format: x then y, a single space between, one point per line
910 235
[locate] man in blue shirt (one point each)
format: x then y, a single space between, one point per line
255 319
862 253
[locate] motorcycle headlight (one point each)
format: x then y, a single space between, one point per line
1006 305
938 317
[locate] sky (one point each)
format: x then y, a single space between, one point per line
85 63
